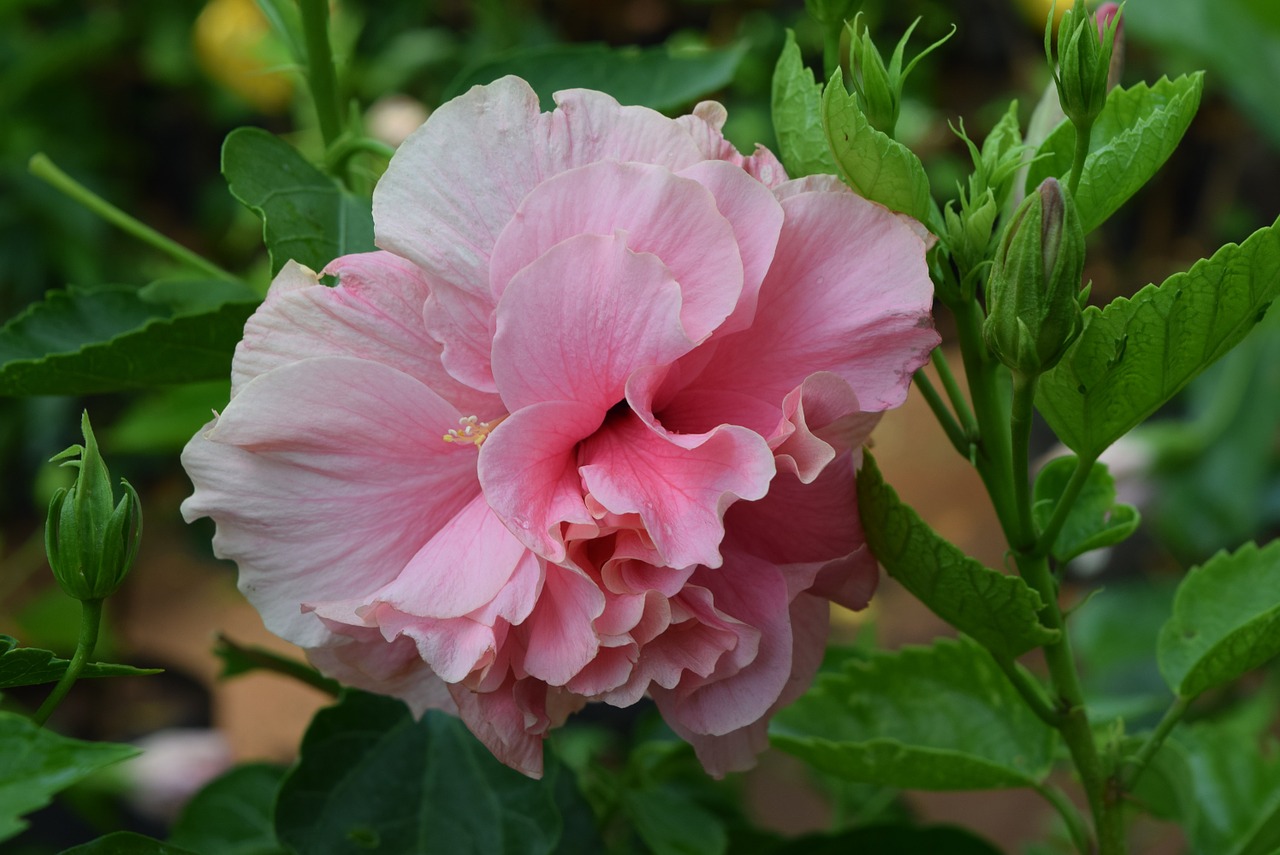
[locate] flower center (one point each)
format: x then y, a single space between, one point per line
472 431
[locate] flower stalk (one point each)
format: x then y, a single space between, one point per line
90 622
320 72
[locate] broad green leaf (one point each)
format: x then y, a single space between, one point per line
305 215
797 115
231 815
669 823
163 422
1095 520
30 666
1138 352
891 840
928 718
1226 620
36 764
129 843
877 166
657 77
84 342
369 776
1132 138
999 611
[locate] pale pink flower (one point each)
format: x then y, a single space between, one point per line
585 430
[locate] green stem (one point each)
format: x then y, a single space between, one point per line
1083 133
1031 692
1070 816
1044 544
1135 766
954 394
259 658
949 425
90 621
345 148
320 73
43 168
1024 396
831 48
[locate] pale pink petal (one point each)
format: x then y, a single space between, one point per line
674 218
363 659
578 320
498 721
680 493
849 292
325 477
528 467
705 126
559 638
820 419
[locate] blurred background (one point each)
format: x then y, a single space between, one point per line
134 97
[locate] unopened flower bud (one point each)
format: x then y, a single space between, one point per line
879 85
1033 307
90 539
1084 63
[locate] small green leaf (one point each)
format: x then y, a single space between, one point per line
928 718
305 215
1137 353
1226 620
891 840
30 666
878 167
231 815
84 342
1095 520
999 611
670 823
128 843
657 77
370 777
1132 138
36 764
797 116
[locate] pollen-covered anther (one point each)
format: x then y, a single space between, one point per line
471 431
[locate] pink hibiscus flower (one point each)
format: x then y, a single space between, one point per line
585 430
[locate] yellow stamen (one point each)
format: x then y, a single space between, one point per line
472 431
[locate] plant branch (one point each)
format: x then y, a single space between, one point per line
1044 544
949 425
1024 396
320 73
90 622
1137 764
1070 816
1031 692
954 394
239 659
1083 133
43 168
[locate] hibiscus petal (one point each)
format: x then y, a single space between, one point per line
705 126
362 658
559 637
680 493
325 477
575 323
674 218
820 419
498 721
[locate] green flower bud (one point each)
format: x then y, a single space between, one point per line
879 86
1033 307
91 544
1084 61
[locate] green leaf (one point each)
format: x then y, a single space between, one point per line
36 763
1095 520
669 823
891 840
928 718
1000 611
1137 353
1132 137
369 776
231 815
1113 635
30 666
657 77
128 843
1226 620
305 215
878 167
797 116
84 342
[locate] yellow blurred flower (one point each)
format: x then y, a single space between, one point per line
235 47
1036 11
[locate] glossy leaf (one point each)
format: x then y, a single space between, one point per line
797 116
1000 611
1132 137
370 777
231 815
1226 620
656 77
930 718
1138 352
84 342
1095 520
31 666
877 166
670 823
305 215
36 764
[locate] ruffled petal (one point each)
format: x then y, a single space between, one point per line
362 658
705 127
325 477
559 637
579 320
